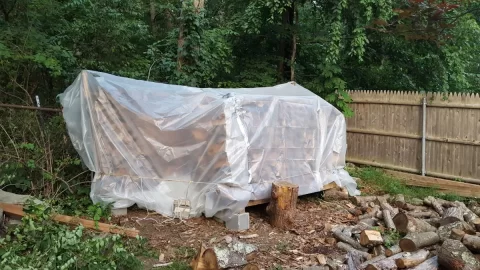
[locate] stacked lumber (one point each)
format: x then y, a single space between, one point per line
393 233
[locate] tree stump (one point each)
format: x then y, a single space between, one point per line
454 255
283 204
415 241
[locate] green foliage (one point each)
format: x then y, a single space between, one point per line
382 182
40 243
391 238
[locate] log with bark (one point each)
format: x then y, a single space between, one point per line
399 201
476 223
359 200
371 213
378 250
406 224
387 263
450 215
424 214
445 231
364 224
453 255
371 261
429 264
335 194
416 241
387 218
416 208
283 204
472 242
392 250
431 201
349 248
384 205
412 259
435 222
370 238
347 239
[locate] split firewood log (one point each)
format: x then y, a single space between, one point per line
399 201
407 224
387 218
370 238
453 255
431 201
348 248
416 241
387 263
347 239
457 234
392 250
412 259
472 242
445 231
450 215
429 264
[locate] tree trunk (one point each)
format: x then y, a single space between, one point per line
406 224
453 255
294 44
430 264
450 215
283 204
472 242
392 250
415 241
412 260
153 15
387 263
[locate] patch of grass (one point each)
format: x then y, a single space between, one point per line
383 183
391 238
185 253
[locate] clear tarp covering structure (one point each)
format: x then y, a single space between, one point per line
152 143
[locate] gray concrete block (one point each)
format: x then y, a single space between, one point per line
119 212
239 222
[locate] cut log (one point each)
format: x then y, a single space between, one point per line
384 205
431 201
412 260
416 208
399 201
475 209
457 234
416 241
429 264
392 250
370 214
445 203
373 260
365 224
283 204
359 200
428 214
388 219
435 222
450 215
347 231
453 255
354 259
348 248
370 238
355 211
472 242
476 223
407 224
345 238
387 263
445 231
416 201
378 250
468 215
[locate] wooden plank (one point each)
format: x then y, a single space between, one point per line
265 201
447 186
90 224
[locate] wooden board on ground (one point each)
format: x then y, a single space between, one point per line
17 210
446 186
265 201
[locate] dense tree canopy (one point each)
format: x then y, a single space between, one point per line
326 45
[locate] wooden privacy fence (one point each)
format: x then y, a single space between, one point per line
396 130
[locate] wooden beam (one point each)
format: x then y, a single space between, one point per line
90 224
265 201
447 186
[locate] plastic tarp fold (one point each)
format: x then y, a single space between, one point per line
152 143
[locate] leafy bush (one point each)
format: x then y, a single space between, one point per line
41 243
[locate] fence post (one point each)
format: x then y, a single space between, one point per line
424 131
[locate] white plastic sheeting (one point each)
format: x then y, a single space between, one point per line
152 143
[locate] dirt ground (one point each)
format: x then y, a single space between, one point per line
178 240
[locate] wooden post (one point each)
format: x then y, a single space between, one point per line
283 204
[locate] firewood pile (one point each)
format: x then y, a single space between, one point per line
422 234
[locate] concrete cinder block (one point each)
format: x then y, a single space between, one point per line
239 222
119 212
